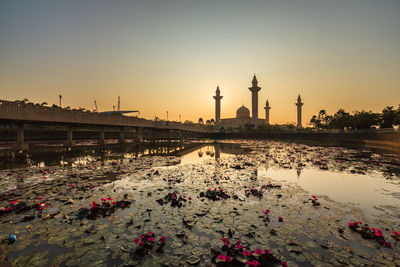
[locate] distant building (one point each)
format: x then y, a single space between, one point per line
242 113
243 117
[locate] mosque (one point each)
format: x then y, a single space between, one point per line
243 114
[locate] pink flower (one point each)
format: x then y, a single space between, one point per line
378 234
224 240
266 211
246 253
226 244
221 257
238 242
13 202
94 203
162 239
267 251
136 240
141 237
140 244
255 263
284 264
6 209
238 246
150 233
40 198
122 205
351 224
109 198
151 239
314 196
103 199
280 219
113 202
258 251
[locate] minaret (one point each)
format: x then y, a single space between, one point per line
267 108
254 100
299 104
217 98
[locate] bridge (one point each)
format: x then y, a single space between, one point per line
21 113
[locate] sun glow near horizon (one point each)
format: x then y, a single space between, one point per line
171 56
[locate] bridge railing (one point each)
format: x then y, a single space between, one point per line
34 112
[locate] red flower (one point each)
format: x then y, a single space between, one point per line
267 251
109 198
40 198
246 253
280 219
103 199
13 202
267 211
136 240
151 239
140 244
258 251
113 202
224 240
162 238
284 264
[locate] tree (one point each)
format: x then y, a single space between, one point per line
388 117
364 120
341 120
397 120
322 121
201 121
44 104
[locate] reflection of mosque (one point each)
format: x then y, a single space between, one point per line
53 156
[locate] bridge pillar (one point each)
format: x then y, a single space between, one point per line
21 137
101 138
70 139
121 138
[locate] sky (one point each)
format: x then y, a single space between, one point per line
170 55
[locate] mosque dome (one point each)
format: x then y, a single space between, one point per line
242 112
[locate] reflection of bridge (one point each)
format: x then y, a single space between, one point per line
20 113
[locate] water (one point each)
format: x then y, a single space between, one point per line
349 185
369 192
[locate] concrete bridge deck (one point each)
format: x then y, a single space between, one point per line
20 112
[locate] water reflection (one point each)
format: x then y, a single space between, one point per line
367 191
55 156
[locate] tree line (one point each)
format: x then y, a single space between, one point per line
388 118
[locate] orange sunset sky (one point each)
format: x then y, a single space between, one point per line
170 55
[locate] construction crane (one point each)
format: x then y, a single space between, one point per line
118 111
95 105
